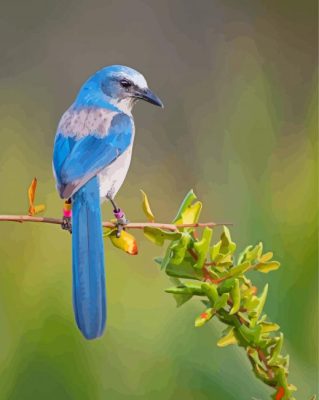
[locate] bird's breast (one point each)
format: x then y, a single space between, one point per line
112 177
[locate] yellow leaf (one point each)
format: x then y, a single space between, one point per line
125 242
204 317
39 208
146 207
31 196
228 339
266 257
191 214
107 231
269 327
268 266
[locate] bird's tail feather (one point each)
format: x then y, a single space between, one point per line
89 298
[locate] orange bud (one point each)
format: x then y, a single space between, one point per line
280 393
254 290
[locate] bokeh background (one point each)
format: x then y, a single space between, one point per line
239 83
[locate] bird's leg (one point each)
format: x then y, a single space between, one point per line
121 219
67 216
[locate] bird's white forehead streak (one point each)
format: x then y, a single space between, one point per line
83 122
136 78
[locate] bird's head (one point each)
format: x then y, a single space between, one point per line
122 87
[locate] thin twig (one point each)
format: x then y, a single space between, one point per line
107 224
263 358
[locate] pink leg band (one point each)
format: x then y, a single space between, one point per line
67 213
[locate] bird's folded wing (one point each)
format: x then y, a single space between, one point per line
77 161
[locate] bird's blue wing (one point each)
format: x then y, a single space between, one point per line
76 161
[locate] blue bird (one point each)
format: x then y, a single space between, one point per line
91 157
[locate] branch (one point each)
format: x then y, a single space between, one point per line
213 272
107 224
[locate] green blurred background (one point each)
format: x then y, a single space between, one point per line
239 83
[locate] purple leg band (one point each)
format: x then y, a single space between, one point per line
118 213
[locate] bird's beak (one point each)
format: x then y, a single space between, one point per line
149 96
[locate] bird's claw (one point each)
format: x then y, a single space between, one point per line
121 221
66 224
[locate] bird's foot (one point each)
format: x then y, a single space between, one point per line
67 216
67 224
121 221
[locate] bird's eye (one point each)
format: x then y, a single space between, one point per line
125 83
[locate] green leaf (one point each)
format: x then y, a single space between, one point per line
222 301
253 354
239 269
251 303
262 374
254 253
268 266
154 236
202 247
275 352
262 319
204 317
175 281
178 248
158 236
213 273
146 207
250 335
262 300
242 255
186 288
235 294
260 247
284 361
227 246
188 200
211 292
182 298
244 316
167 257
281 378
108 231
226 286
176 251
221 252
184 270
214 251
226 235
228 339
225 262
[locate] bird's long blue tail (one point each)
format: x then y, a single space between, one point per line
89 299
